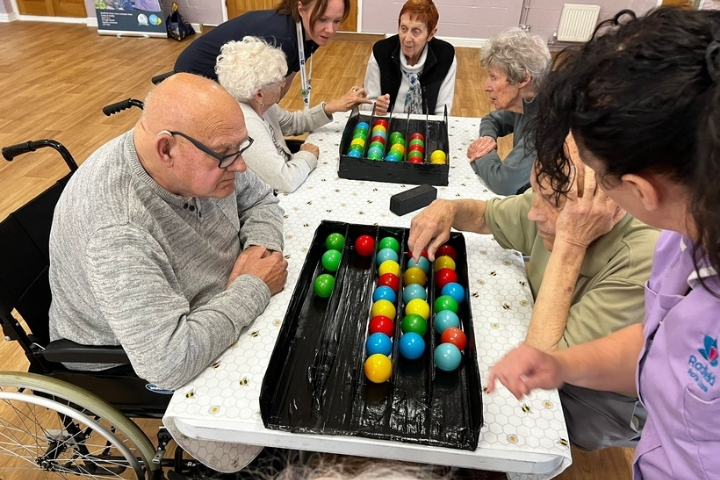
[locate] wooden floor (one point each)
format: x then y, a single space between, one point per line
56 78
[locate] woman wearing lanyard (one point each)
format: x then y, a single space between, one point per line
312 21
643 104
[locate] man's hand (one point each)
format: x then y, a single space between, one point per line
309 147
355 96
481 147
382 104
525 369
588 213
268 266
431 228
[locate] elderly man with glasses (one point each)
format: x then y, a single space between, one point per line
163 242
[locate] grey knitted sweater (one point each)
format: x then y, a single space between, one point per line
135 265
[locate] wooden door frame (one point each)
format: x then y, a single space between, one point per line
358 23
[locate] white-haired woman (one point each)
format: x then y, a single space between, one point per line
254 73
516 64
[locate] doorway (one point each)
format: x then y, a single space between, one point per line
53 8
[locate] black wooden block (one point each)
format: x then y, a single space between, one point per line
413 199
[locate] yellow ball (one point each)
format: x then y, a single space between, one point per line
378 128
438 157
444 262
414 275
383 308
389 266
378 368
358 141
418 306
399 147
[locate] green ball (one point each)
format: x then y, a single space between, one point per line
446 302
414 323
378 145
360 134
324 285
389 242
415 154
335 241
331 260
396 137
417 141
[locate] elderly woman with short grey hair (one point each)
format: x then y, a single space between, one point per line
516 64
254 73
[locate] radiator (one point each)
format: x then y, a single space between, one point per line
577 22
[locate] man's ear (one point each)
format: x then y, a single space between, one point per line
432 34
163 145
644 190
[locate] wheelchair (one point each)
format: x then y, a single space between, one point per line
56 422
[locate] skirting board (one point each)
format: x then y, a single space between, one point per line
8 17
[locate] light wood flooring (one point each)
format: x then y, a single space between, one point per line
55 79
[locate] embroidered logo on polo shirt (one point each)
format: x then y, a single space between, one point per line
710 352
699 370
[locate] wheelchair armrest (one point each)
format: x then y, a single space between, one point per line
67 351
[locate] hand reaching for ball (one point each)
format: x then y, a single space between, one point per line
356 96
382 105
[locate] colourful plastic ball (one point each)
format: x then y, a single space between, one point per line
358 141
417 141
444 261
448 250
389 242
378 145
383 308
414 275
418 307
422 254
445 276
399 147
386 254
377 129
393 156
378 343
324 285
455 290
415 154
389 266
446 302
438 157
331 260
379 139
455 336
355 153
383 122
362 126
365 245
414 323
396 137
411 346
384 292
375 153
422 263
382 324
417 135
411 292
335 241
378 368
447 357
360 134
415 148
392 281
415 159
445 319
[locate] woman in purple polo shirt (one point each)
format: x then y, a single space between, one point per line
643 104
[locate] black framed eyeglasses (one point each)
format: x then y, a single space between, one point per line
224 161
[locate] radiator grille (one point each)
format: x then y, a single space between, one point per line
577 22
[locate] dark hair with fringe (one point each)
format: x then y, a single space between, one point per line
290 7
642 97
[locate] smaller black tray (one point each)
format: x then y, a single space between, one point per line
315 381
436 138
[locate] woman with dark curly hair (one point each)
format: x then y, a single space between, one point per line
643 104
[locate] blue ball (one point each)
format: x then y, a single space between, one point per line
384 292
447 357
393 157
362 126
414 291
411 346
423 263
455 290
446 319
354 153
386 254
378 343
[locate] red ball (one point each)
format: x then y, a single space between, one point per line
423 254
455 336
445 276
382 324
416 147
446 249
415 160
365 245
378 138
416 135
390 280
383 122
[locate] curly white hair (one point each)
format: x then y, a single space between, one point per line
517 53
246 66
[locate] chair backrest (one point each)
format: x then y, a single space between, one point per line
24 261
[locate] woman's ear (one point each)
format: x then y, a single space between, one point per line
525 82
432 34
644 190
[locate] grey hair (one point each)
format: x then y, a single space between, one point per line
246 66
518 54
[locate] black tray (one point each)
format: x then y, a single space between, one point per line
315 381
436 138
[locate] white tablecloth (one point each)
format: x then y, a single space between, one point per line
216 417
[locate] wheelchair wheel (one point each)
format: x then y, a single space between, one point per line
52 429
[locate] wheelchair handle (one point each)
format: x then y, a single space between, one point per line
159 78
122 105
14 150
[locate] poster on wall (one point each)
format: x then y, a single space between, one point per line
130 17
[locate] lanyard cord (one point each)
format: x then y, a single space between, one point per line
305 79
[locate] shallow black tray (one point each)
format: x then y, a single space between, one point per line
315 381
